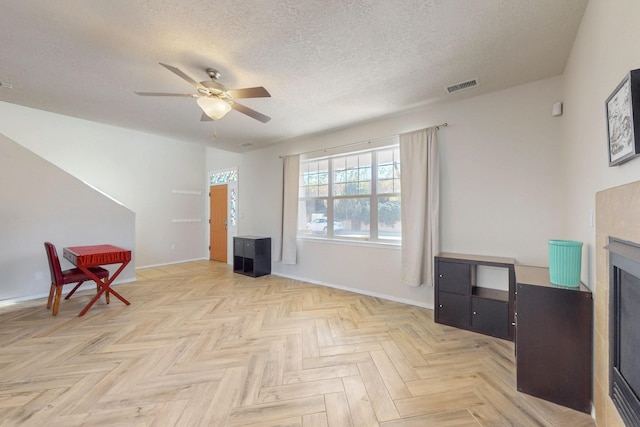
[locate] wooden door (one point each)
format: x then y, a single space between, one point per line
218 223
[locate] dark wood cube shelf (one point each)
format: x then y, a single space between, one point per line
252 255
460 302
552 326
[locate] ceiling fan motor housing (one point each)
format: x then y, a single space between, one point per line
213 73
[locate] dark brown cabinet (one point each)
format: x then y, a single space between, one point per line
460 302
454 277
252 255
490 316
554 328
454 310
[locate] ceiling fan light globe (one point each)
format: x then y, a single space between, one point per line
214 107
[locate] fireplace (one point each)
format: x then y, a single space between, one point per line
624 333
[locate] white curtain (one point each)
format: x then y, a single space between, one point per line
290 208
420 205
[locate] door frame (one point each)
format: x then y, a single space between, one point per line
228 176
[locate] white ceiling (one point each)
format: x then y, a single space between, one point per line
326 63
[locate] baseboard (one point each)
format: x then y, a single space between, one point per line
85 286
358 291
171 263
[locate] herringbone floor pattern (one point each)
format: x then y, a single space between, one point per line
201 346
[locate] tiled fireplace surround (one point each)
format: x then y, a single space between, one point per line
617 215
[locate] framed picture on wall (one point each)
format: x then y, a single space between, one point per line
623 123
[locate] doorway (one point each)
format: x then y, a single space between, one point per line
218 223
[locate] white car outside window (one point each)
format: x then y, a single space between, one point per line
319 225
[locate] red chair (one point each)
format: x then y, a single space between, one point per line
73 275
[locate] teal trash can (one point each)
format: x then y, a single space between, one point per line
565 262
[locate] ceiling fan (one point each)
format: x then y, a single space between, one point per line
215 99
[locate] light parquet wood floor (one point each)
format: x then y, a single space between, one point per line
201 346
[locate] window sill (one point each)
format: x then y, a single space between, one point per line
352 242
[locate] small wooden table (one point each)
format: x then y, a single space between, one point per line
84 257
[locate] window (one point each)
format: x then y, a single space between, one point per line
351 196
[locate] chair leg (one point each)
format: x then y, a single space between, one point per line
106 293
74 289
51 292
56 303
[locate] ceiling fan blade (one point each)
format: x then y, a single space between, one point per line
178 72
205 118
249 112
249 92
189 95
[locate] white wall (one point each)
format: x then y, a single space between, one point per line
41 202
501 191
502 171
140 170
605 49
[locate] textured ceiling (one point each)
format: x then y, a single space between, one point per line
326 63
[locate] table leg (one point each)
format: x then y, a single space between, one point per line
104 287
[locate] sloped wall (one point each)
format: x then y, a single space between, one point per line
147 173
40 202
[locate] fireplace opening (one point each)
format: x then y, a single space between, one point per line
624 334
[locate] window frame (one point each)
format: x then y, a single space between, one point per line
374 196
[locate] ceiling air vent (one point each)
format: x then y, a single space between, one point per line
463 85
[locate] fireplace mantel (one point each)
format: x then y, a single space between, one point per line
628 250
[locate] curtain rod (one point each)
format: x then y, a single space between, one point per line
369 141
